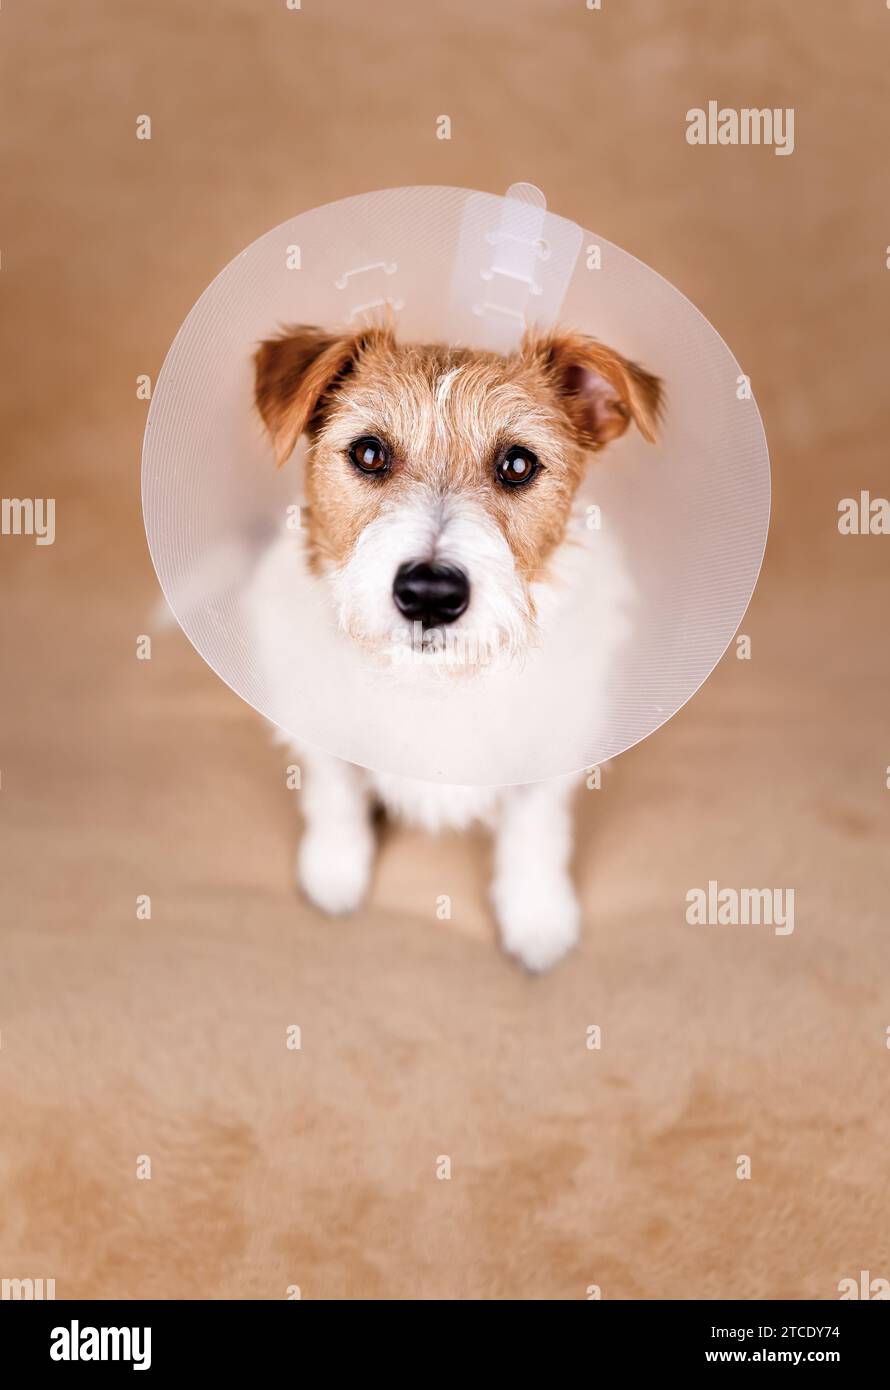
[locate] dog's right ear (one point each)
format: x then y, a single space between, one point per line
295 372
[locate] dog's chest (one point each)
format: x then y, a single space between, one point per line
435 806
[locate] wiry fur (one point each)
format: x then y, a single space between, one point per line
446 416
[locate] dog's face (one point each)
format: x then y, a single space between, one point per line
440 481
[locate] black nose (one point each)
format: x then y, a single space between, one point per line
430 594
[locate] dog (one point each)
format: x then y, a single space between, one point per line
440 484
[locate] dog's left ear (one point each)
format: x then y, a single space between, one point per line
601 391
296 372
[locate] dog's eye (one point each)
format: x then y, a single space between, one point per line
369 455
517 466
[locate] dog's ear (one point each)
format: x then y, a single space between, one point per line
294 374
600 390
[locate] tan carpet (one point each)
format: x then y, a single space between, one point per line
167 1038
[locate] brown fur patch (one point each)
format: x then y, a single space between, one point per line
446 416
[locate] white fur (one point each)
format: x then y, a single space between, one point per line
450 529
532 892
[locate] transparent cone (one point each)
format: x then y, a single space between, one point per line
689 515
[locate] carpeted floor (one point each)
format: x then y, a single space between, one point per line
122 1038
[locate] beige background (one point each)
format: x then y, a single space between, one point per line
119 777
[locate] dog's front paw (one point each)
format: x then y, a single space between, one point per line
540 919
334 871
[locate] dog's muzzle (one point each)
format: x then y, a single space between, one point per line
429 593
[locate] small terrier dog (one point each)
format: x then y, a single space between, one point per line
440 484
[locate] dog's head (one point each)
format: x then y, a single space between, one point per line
440 481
